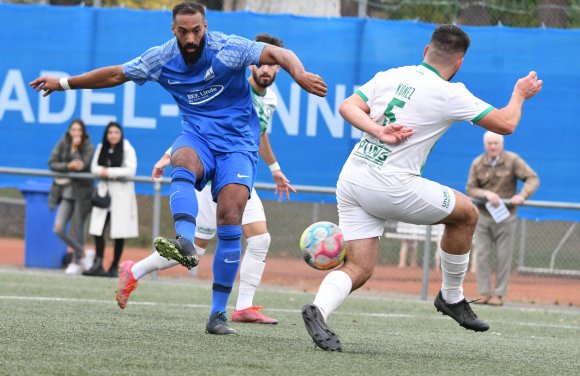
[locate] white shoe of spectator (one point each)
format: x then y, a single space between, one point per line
87 261
73 269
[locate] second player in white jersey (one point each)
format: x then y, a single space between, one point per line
381 180
418 97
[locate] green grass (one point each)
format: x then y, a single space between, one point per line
55 324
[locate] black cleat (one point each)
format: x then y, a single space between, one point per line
462 313
322 336
218 324
179 249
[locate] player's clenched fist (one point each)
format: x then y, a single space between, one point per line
529 86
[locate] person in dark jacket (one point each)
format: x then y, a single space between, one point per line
73 153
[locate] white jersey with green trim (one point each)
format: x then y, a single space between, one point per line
265 106
416 97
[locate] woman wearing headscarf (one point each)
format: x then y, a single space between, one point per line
114 161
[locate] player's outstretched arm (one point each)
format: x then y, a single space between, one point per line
505 121
283 186
356 111
95 79
288 60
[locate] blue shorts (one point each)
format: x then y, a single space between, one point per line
238 167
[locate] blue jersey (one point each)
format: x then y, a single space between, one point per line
213 94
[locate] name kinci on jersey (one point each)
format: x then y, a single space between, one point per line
405 91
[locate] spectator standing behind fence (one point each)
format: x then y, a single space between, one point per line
114 161
72 153
494 176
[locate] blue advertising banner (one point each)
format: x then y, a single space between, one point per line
310 138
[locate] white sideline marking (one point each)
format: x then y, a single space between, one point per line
205 306
108 302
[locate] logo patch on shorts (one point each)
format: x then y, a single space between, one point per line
205 230
446 198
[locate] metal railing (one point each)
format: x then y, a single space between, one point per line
157 183
139 179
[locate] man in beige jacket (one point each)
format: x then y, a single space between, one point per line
493 177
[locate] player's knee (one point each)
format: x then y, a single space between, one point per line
230 216
360 277
188 159
465 215
472 215
360 272
367 272
258 246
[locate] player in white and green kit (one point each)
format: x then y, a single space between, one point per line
253 220
381 182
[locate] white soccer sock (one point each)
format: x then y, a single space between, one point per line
200 251
453 269
151 263
251 269
332 291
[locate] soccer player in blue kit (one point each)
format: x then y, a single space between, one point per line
205 72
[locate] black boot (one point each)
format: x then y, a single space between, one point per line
113 271
97 269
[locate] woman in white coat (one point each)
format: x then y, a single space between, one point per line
114 160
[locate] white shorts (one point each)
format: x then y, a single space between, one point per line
362 212
206 224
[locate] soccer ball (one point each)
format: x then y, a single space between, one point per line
322 245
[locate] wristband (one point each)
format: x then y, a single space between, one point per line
274 166
64 83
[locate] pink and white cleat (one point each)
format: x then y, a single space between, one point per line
251 315
127 283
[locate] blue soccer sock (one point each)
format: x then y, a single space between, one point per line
225 265
183 202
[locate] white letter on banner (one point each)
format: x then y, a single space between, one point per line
15 83
290 117
334 121
88 98
129 118
70 102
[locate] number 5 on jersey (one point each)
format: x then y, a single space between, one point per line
389 114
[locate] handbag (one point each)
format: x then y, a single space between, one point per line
100 201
